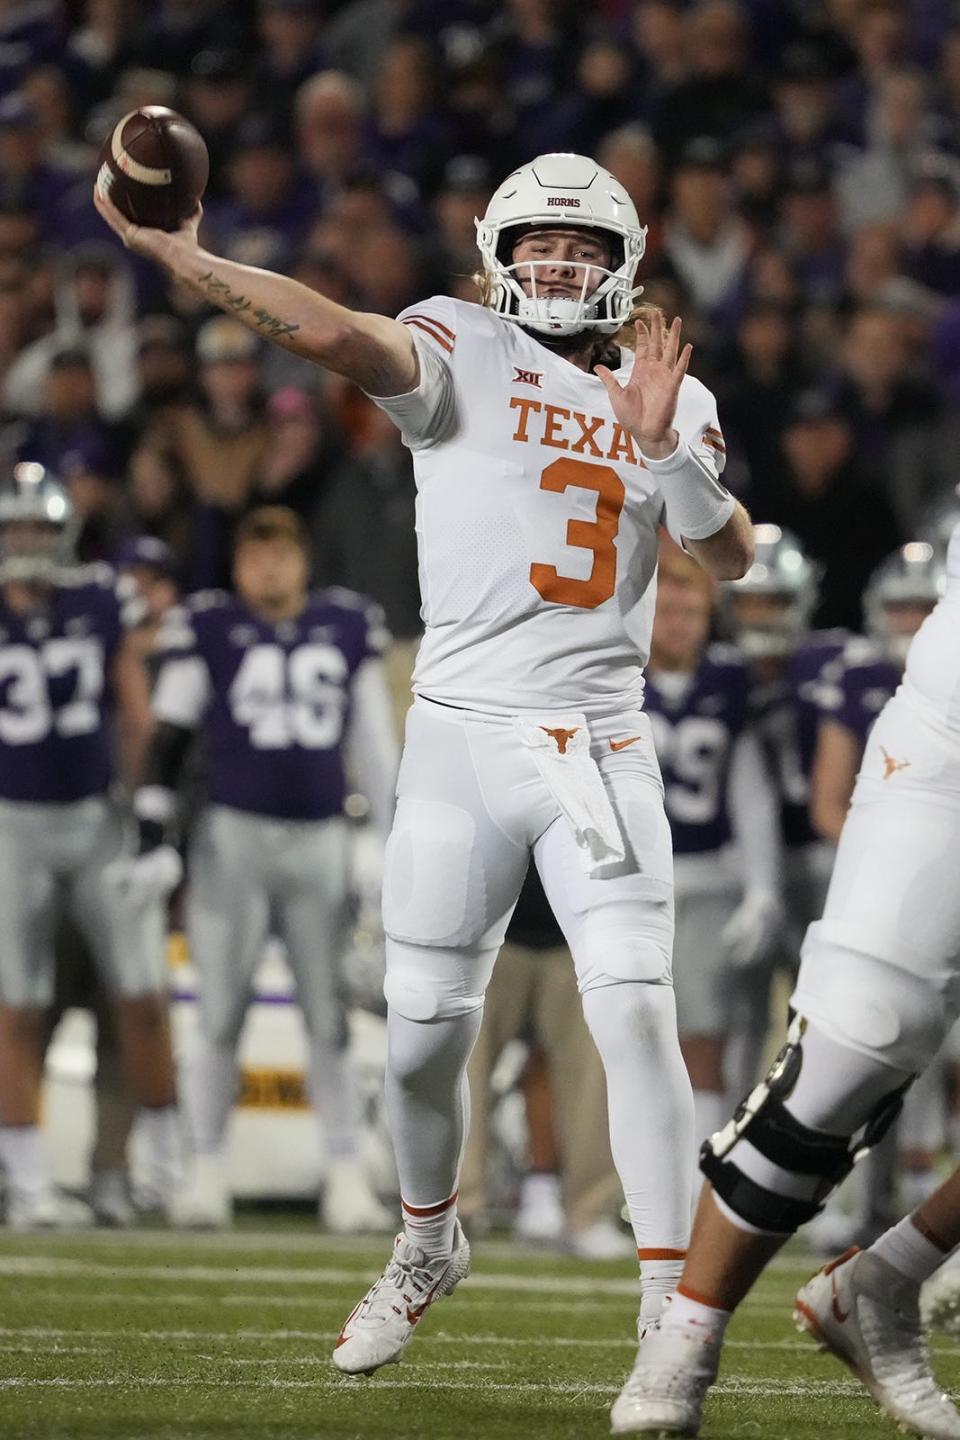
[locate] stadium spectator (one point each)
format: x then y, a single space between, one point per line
706 241
329 114
722 92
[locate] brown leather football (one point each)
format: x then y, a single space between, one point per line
154 166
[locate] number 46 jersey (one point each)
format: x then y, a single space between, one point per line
536 518
274 700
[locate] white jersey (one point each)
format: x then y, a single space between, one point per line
536 518
932 676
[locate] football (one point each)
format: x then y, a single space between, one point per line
154 166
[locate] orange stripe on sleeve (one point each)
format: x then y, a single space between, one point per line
450 334
714 444
427 330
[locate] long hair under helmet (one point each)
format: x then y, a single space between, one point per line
559 191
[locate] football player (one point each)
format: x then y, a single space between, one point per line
878 989
724 815
70 681
769 612
281 680
852 690
546 454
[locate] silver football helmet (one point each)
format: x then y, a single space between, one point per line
910 580
38 524
562 190
787 580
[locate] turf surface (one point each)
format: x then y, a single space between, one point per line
158 1336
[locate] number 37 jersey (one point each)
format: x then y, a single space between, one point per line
536 518
274 700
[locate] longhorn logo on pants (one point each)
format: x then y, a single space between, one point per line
562 737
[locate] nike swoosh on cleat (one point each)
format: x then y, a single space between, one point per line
839 1315
622 744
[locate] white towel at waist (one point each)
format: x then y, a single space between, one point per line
560 745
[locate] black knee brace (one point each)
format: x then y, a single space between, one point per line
763 1119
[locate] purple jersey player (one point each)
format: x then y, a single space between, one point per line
857 683
284 684
72 689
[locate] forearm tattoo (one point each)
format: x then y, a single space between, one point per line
268 324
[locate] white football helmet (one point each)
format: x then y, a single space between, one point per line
914 576
38 524
783 573
553 191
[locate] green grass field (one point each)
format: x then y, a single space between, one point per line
156 1335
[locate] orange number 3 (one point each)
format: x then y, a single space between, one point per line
596 535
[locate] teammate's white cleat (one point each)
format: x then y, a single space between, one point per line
665 1390
381 1327
861 1310
204 1202
46 1209
109 1199
349 1205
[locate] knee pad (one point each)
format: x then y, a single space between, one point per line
891 1014
427 983
816 1159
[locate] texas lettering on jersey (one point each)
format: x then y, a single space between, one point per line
273 699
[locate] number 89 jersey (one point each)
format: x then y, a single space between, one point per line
536 518
273 699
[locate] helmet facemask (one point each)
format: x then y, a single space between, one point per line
605 309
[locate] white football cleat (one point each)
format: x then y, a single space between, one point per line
867 1315
45 1209
349 1205
109 1199
204 1202
381 1327
664 1393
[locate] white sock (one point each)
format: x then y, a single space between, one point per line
334 1095
658 1280
539 1189
431 1226
683 1312
908 1250
161 1132
25 1160
650 1106
210 1087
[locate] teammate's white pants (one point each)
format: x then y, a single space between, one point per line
879 978
472 807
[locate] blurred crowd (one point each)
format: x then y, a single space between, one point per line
797 165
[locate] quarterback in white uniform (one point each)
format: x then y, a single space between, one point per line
546 457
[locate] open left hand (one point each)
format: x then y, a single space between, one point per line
646 405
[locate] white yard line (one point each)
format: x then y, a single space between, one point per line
809 1389
323 1337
